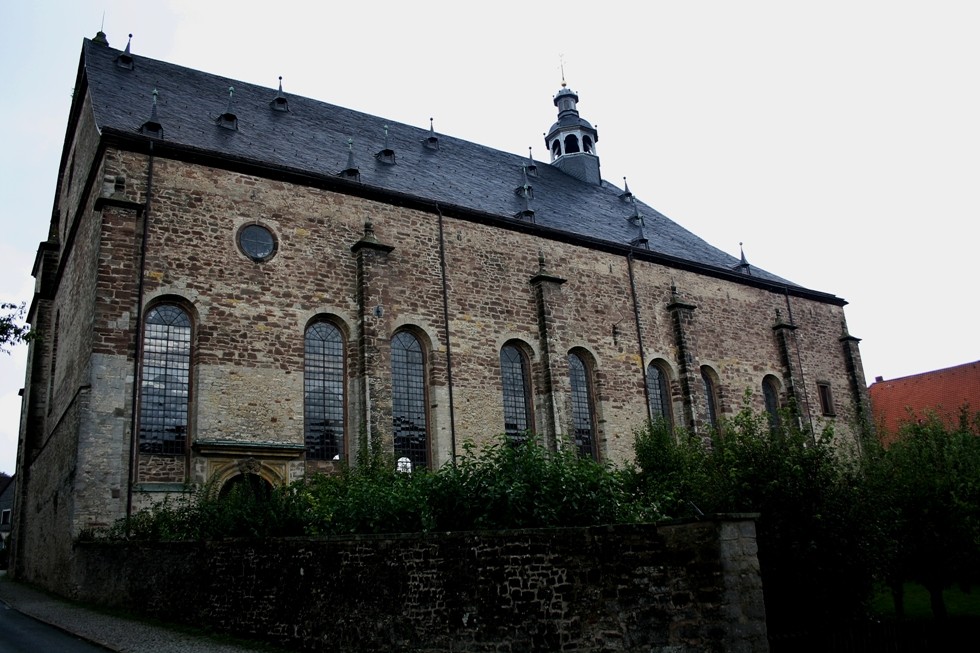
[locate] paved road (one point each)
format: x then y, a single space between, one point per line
103 632
22 634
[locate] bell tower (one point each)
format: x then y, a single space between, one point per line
572 139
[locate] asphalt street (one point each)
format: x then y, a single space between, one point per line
22 634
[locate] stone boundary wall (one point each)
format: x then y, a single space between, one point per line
674 588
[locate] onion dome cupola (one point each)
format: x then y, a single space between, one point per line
572 139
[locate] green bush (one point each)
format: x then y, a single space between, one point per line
815 546
500 487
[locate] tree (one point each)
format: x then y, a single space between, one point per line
814 530
927 489
12 331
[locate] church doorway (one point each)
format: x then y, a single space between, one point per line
250 485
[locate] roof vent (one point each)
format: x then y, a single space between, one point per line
279 103
432 142
531 168
125 59
525 190
636 218
387 155
641 240
152 127
351 171
526 214
626 195
743 263
228 119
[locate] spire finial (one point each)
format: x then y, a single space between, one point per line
128 43
280 84
561 63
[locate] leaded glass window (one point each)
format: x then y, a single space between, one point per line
710 396
323 392
770 394
408 401
583 418
658 393
165 380
515 380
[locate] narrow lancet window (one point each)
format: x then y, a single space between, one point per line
515 380
323 392
583 412
408 405
165 381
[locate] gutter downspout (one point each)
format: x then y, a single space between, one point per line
799 362
138 344
639 334
445 322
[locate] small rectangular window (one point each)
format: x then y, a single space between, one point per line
826 398
5 517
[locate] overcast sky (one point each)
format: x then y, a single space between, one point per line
840 141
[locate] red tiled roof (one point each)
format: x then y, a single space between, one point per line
912 397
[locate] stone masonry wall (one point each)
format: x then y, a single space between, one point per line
248 321
250 317
671 588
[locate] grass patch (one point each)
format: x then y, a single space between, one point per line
959 603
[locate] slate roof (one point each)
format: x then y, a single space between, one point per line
312 137
944 392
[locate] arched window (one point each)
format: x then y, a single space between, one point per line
583 413
710 395
323 392
165 380
408 414
571 144
658 393
516 381
770 394
555 149
587 144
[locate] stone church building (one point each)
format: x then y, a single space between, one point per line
239 283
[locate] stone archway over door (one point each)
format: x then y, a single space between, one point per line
255 484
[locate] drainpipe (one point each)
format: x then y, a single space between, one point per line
639 334
445 322
138 344
799 362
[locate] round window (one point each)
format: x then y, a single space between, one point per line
257 242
